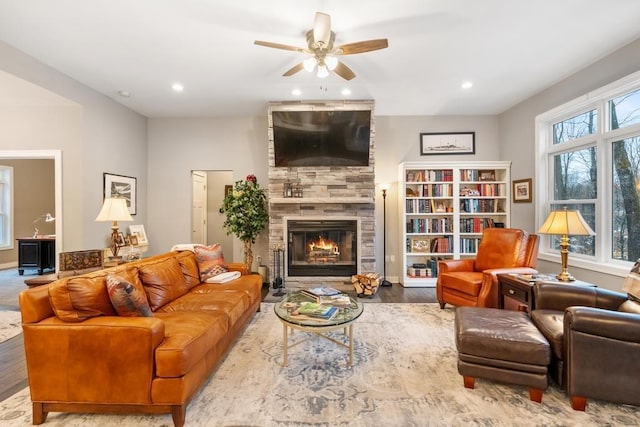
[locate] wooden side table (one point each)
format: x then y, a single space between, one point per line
36 253
520 290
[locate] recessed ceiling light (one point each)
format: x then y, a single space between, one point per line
346 91
177 87
466 85
124 93
296 92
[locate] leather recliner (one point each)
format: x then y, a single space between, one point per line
594 335
473 281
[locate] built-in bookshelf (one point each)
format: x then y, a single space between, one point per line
444 208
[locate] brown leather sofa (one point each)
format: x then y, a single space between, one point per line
474 281
594 335
83 357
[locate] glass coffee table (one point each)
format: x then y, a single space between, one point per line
343 319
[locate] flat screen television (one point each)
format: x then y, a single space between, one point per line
321 138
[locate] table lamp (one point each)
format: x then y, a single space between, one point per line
47 218
565 223
114 209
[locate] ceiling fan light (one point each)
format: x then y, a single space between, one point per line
309 64
322 71
331 62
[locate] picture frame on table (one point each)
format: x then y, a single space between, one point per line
121 240
121 186
447 143
137 231
133 240
522 190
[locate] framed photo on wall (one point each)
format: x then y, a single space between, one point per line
121 186
447 143
522 190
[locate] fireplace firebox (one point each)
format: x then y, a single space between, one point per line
322 248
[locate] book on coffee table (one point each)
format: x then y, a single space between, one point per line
316 311
320 292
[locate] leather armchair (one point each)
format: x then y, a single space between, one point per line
594 335
474 281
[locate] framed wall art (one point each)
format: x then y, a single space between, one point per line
522 190
121 186
447 143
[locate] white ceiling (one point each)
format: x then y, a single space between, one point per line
510 49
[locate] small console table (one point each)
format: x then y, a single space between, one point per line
36 253
519 289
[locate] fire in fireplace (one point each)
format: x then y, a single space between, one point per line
322 247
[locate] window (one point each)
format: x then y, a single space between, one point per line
590 161
6 207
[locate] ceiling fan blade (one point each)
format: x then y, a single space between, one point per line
322 29
280 46
344 71
294 69
361 47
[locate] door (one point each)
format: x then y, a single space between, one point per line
199 207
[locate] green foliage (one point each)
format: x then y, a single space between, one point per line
245 210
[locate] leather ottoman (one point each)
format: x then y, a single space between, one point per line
501 345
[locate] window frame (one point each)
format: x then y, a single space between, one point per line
602 139
6 207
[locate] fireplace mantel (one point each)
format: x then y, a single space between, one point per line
318 200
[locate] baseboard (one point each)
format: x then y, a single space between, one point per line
8 265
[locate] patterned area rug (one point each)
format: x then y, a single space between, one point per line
10 324
404 374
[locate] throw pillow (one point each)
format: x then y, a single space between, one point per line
632 282
126 299
210 261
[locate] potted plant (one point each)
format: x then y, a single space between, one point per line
246 213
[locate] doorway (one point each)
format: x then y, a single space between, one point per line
208 190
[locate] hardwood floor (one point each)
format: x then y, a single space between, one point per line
13 370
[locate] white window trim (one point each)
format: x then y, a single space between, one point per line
6 176
597 99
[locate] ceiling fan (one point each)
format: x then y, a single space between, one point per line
323 53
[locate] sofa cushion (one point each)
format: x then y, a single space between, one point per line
232 303
250 284
210 261
630 306
468 282
126 298
550 323
76 299
631 283
189 266
189 336
163 281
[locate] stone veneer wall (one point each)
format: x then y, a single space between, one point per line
327 191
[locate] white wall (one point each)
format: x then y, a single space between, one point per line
178 146
95 134
517 138
216 180
398 140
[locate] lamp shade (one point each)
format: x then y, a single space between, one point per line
114 209
566 222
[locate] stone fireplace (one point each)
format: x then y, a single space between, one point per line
329 197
